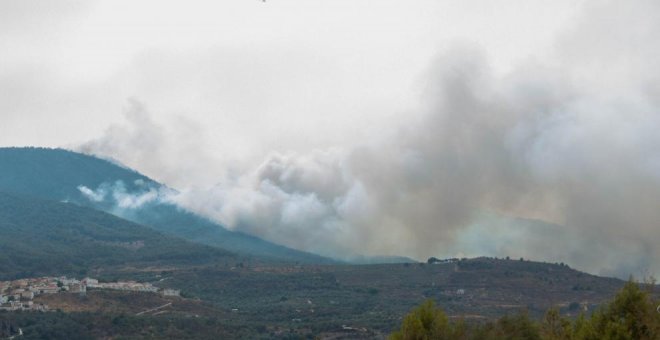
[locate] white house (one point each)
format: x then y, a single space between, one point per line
171 292
91 282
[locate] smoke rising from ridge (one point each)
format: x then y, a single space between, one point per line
571 141
171 153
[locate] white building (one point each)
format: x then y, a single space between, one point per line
171 292
91 282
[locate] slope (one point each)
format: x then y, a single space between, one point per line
41 237
60 174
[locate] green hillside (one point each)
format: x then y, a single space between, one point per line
57 174
41 237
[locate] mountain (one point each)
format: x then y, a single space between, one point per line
42 237
64 175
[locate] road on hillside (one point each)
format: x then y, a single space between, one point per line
154 309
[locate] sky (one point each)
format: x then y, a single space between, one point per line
414 128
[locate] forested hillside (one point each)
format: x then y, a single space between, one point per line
41 237
59 174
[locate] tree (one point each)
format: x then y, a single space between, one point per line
631 315
519 326
425 322
554 326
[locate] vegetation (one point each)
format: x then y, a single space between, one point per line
41 237
57 174
428 322
631 315
256 300
324 298
90 325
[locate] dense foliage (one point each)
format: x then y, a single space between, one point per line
374 297
85 325
631 315
41 237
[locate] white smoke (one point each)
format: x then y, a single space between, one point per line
120 197
570 140
94 196
172 154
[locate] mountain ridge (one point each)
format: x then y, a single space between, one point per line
59 174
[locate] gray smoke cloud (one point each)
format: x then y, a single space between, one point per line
557 160
172 154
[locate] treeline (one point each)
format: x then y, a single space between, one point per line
633 314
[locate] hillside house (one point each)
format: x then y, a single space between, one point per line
171 292
89 282
50 289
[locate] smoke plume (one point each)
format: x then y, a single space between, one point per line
556 160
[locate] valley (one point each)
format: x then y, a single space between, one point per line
353 301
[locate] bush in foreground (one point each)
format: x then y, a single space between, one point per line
631 315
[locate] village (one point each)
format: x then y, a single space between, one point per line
20 294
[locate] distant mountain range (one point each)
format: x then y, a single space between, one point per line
66 176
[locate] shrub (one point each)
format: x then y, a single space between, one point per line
631 315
